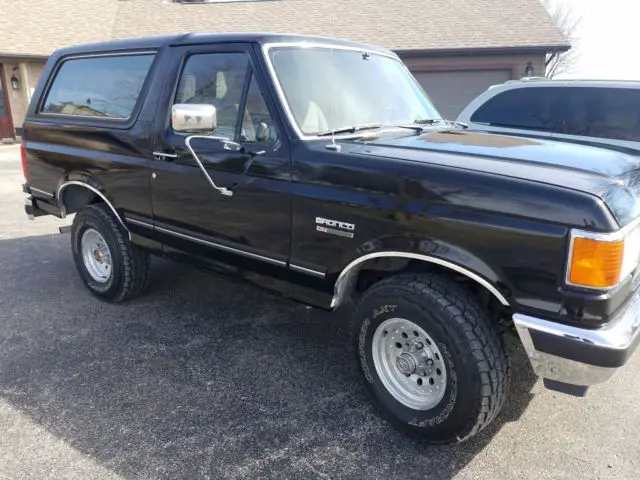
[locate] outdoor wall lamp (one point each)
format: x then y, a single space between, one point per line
528 70
15 83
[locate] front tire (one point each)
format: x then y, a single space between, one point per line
431 359
110 266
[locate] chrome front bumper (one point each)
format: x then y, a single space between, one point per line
572 356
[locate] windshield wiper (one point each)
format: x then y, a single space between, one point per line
419 125
353 129
416 128
431 121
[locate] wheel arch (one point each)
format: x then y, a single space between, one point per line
345 283
70 185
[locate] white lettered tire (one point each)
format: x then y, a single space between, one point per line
431 358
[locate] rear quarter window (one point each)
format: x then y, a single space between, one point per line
103 87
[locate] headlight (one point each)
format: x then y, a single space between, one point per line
602 260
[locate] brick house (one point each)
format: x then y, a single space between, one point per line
455 48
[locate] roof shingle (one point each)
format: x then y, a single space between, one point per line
45 25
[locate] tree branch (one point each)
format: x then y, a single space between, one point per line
568 22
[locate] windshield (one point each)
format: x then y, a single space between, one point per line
330 89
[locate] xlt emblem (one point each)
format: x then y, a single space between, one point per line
335 227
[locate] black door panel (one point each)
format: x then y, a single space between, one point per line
246 234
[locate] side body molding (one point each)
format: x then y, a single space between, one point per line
349 274
94 190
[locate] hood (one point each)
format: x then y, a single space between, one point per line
612 176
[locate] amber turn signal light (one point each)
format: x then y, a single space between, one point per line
596 263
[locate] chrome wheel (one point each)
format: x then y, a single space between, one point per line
96 255
409 364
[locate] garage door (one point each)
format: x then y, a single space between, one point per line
452 91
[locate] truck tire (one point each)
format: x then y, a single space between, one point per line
110 266
430 357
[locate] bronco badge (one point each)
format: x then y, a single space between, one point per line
335 227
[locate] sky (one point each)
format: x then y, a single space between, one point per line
608 36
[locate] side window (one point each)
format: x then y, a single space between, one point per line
605 112
527 108
257 124
98 87
217 79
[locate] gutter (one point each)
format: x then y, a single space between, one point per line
444 52
18 57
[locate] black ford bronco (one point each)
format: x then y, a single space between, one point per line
319 170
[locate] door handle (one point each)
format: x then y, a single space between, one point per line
165 156
231 145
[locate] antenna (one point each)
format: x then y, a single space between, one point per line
333 146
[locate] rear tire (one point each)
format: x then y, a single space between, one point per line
110 266
431 358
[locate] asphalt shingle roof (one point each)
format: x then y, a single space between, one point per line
38 27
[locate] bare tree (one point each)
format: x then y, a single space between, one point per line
568 22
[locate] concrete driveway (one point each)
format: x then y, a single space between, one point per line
202 378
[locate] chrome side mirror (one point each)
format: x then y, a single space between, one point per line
262 132
194 118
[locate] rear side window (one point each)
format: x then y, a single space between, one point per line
528 108
602 113
106 87
612 113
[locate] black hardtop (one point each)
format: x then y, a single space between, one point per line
157 42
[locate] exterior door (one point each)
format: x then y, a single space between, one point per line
249 230
6 125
